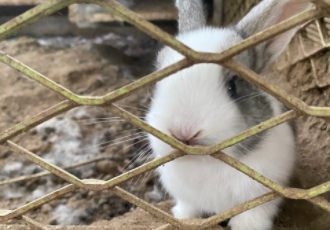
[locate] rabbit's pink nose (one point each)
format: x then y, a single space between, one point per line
185 137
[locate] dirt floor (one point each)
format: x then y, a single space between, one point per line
91 67
80 134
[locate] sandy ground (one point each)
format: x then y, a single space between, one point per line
78 135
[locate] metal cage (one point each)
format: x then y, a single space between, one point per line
71 100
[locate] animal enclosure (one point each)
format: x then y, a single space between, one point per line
315 33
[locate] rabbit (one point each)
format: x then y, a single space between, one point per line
206 104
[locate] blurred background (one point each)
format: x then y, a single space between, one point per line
91 52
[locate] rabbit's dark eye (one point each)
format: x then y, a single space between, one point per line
231 86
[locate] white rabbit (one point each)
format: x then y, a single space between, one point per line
205 104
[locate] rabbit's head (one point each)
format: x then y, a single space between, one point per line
206 103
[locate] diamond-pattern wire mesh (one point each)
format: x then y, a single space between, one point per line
224 58
312 39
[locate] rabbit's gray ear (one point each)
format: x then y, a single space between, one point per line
191 15
266 14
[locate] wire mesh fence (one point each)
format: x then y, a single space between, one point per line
311 39
72 100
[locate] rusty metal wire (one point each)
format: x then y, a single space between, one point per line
224 58
311 39
46 173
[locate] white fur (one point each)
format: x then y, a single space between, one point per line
195 99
